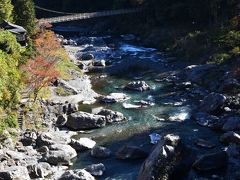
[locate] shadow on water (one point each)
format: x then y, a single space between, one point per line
128 169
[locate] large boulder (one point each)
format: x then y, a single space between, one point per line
40 170
232 123
50 138
111 116
60 154
207 120
101 63
230 137
82 144
170 159
84 121
14 173
28 138
212 102
100 152
131 152
77 174
61 120
87 57
229 84
137 86
196 73
211 161
96 169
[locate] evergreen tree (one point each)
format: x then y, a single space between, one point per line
6 9
24 14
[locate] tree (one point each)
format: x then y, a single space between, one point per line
10 54
24 14
41 73
6 9
9 45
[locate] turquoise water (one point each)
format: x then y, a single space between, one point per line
142 64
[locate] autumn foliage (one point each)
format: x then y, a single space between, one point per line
41 68
41 73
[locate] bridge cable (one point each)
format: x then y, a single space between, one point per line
58 12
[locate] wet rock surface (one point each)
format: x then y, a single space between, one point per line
137 86
211 161
131 152
100 152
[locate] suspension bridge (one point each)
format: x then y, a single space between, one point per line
79 16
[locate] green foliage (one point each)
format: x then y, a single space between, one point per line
11 120
62 92
230 40
9 81
6 9
9 45
8 121
219 58
65 65
24 14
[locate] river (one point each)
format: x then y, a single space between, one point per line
169 111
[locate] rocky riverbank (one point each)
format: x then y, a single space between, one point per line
218 110
183 150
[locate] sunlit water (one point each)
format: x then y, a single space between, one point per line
165 115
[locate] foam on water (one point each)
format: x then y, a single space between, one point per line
135 49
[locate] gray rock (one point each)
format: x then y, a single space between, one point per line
101 63
63 147
87 57
43 150
61 120
205 119
196 73
78 174
15 155
39 170
170 159
82 144
131 152
229 84
230 137
138 86
100 152
211 161
231 124
96 169
60 154
212 102
83 121
67 87
9 144
29 138
50 138
14 173
111 116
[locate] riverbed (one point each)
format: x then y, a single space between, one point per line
169 108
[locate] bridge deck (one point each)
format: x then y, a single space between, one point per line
90 15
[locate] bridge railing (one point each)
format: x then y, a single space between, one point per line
90 15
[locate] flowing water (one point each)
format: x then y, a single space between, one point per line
130 61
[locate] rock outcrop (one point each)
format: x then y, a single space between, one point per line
83 121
